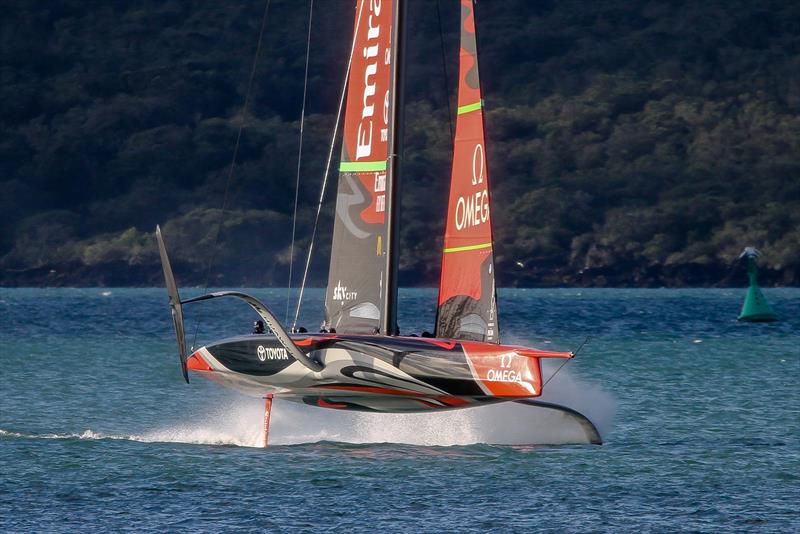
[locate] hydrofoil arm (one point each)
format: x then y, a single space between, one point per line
271 321
174 303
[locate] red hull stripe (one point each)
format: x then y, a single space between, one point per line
307 342
452 401
322 403
535 353
449 345
197 363
446 400
371 389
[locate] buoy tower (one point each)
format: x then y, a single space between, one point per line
755 307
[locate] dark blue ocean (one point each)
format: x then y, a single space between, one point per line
700 416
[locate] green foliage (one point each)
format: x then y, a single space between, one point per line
43 239
624 137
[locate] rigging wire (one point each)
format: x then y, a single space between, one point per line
574 354
299 159
327 172
444 68
233 158
554 374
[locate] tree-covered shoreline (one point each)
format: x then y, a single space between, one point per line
632 144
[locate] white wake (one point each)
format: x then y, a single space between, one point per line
239 422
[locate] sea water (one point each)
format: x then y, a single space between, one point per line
700 415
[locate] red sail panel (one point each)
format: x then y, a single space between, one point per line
467 303
353 301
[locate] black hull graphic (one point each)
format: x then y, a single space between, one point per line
375 373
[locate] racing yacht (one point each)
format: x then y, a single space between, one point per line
358 361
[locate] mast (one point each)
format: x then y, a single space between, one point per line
389 316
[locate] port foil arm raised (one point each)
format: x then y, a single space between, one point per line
174 303
271 321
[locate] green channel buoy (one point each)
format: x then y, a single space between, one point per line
755 309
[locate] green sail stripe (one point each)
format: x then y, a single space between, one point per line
470 107
468 247
362 166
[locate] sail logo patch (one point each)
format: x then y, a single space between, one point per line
271 353
341 293
473 209
504 375
370 54
477 165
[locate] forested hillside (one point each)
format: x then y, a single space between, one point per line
630 143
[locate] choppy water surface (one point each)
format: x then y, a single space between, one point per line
701 417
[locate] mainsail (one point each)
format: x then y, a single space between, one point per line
467 302
360 269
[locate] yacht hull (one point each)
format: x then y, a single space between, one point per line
375 373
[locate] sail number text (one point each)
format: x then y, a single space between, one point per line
505 373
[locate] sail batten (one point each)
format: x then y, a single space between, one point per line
467 307
355 299
362 166
468 248
469 107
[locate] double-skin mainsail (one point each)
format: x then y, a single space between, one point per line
362 287
467 303
361 293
